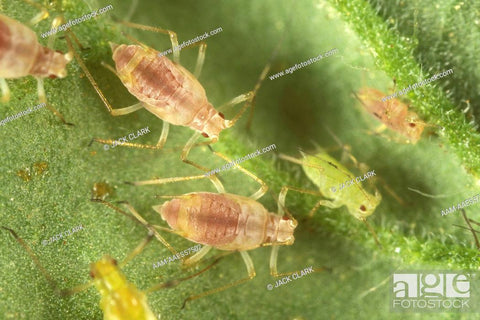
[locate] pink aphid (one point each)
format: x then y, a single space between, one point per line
21 55
167 89
392 113
226 221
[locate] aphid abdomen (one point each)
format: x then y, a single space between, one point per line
125 304
325 172
18 48
225 221
21 54
120 299
167 89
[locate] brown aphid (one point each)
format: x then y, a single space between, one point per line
25 175
22 55
101 190
37 169
40 167
392 113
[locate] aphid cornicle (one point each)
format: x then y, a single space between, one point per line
392 113
120 299
328 174
21 55
226 222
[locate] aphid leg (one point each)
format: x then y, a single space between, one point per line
5 90
469 221
136 251
378 131
374 234
42 15
265 71
251 275
273 264
263 186
44 272
43 99
75 38
391 191
216 182
135 216
185 152
173 283
172 35
249 97
283 195
200 58
113 112
120 111
197 256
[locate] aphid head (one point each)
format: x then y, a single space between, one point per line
169 211
107 274
49 63
58 66
366 207
413 129
286 227
121 55
214 125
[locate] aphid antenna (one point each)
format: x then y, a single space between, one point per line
282 210
42 15
131 10
134 215
268 66
372 289
433 196
334 136
44 272
465 228
352 66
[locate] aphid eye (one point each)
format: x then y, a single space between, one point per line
411 124
52 76
204 134
363 208
221 115
115 262
92 275
285 218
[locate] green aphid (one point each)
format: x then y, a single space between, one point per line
338 184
